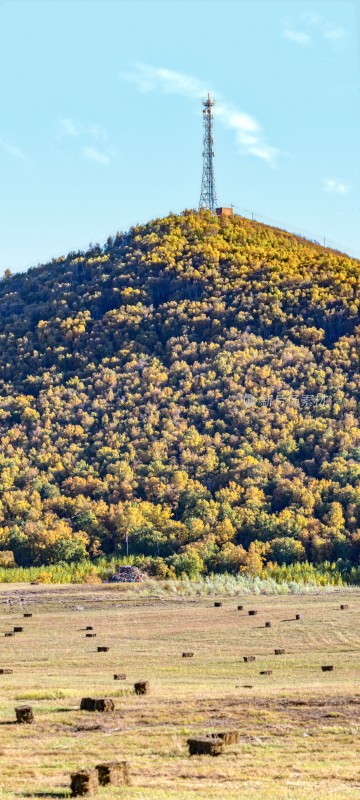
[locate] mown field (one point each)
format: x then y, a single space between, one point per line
299 727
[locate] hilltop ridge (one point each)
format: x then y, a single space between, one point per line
193 384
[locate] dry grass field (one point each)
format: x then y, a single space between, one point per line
299 727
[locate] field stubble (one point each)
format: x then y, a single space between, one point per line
299 727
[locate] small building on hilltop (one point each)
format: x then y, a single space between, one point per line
223 211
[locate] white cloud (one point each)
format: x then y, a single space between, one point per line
86 135
14 151
319 27
334 34
95 155
147 79
69 127
248 132
335 186
297 36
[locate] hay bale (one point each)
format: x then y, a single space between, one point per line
252 612
27 614
217 604
88 704
344 606
6 671
206 746
102 704
327 667
142 687
297 616
85 782
267 624
120 676
266 672
228 737
114 772
102 649
90 635
187 655
240 608
18 629
247 659
24 715
279 651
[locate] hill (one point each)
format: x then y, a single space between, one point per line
194 387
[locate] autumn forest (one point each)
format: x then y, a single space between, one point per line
188 393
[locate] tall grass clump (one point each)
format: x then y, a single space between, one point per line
273 579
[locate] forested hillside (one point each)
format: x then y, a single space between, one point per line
194 385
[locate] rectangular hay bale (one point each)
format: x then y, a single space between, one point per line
88 704
206 746
115 773
142 687
102 704
24 715
85 782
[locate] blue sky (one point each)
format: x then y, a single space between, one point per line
100 117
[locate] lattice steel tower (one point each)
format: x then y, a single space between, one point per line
208 197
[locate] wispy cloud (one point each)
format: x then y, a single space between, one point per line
93 154
71 127
313 28
88 138
335 186
248 131
334 34
14 151
147 79
297 36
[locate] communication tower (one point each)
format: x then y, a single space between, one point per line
208 197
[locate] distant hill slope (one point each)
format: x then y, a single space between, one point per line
195 385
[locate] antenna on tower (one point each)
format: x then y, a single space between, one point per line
208 197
